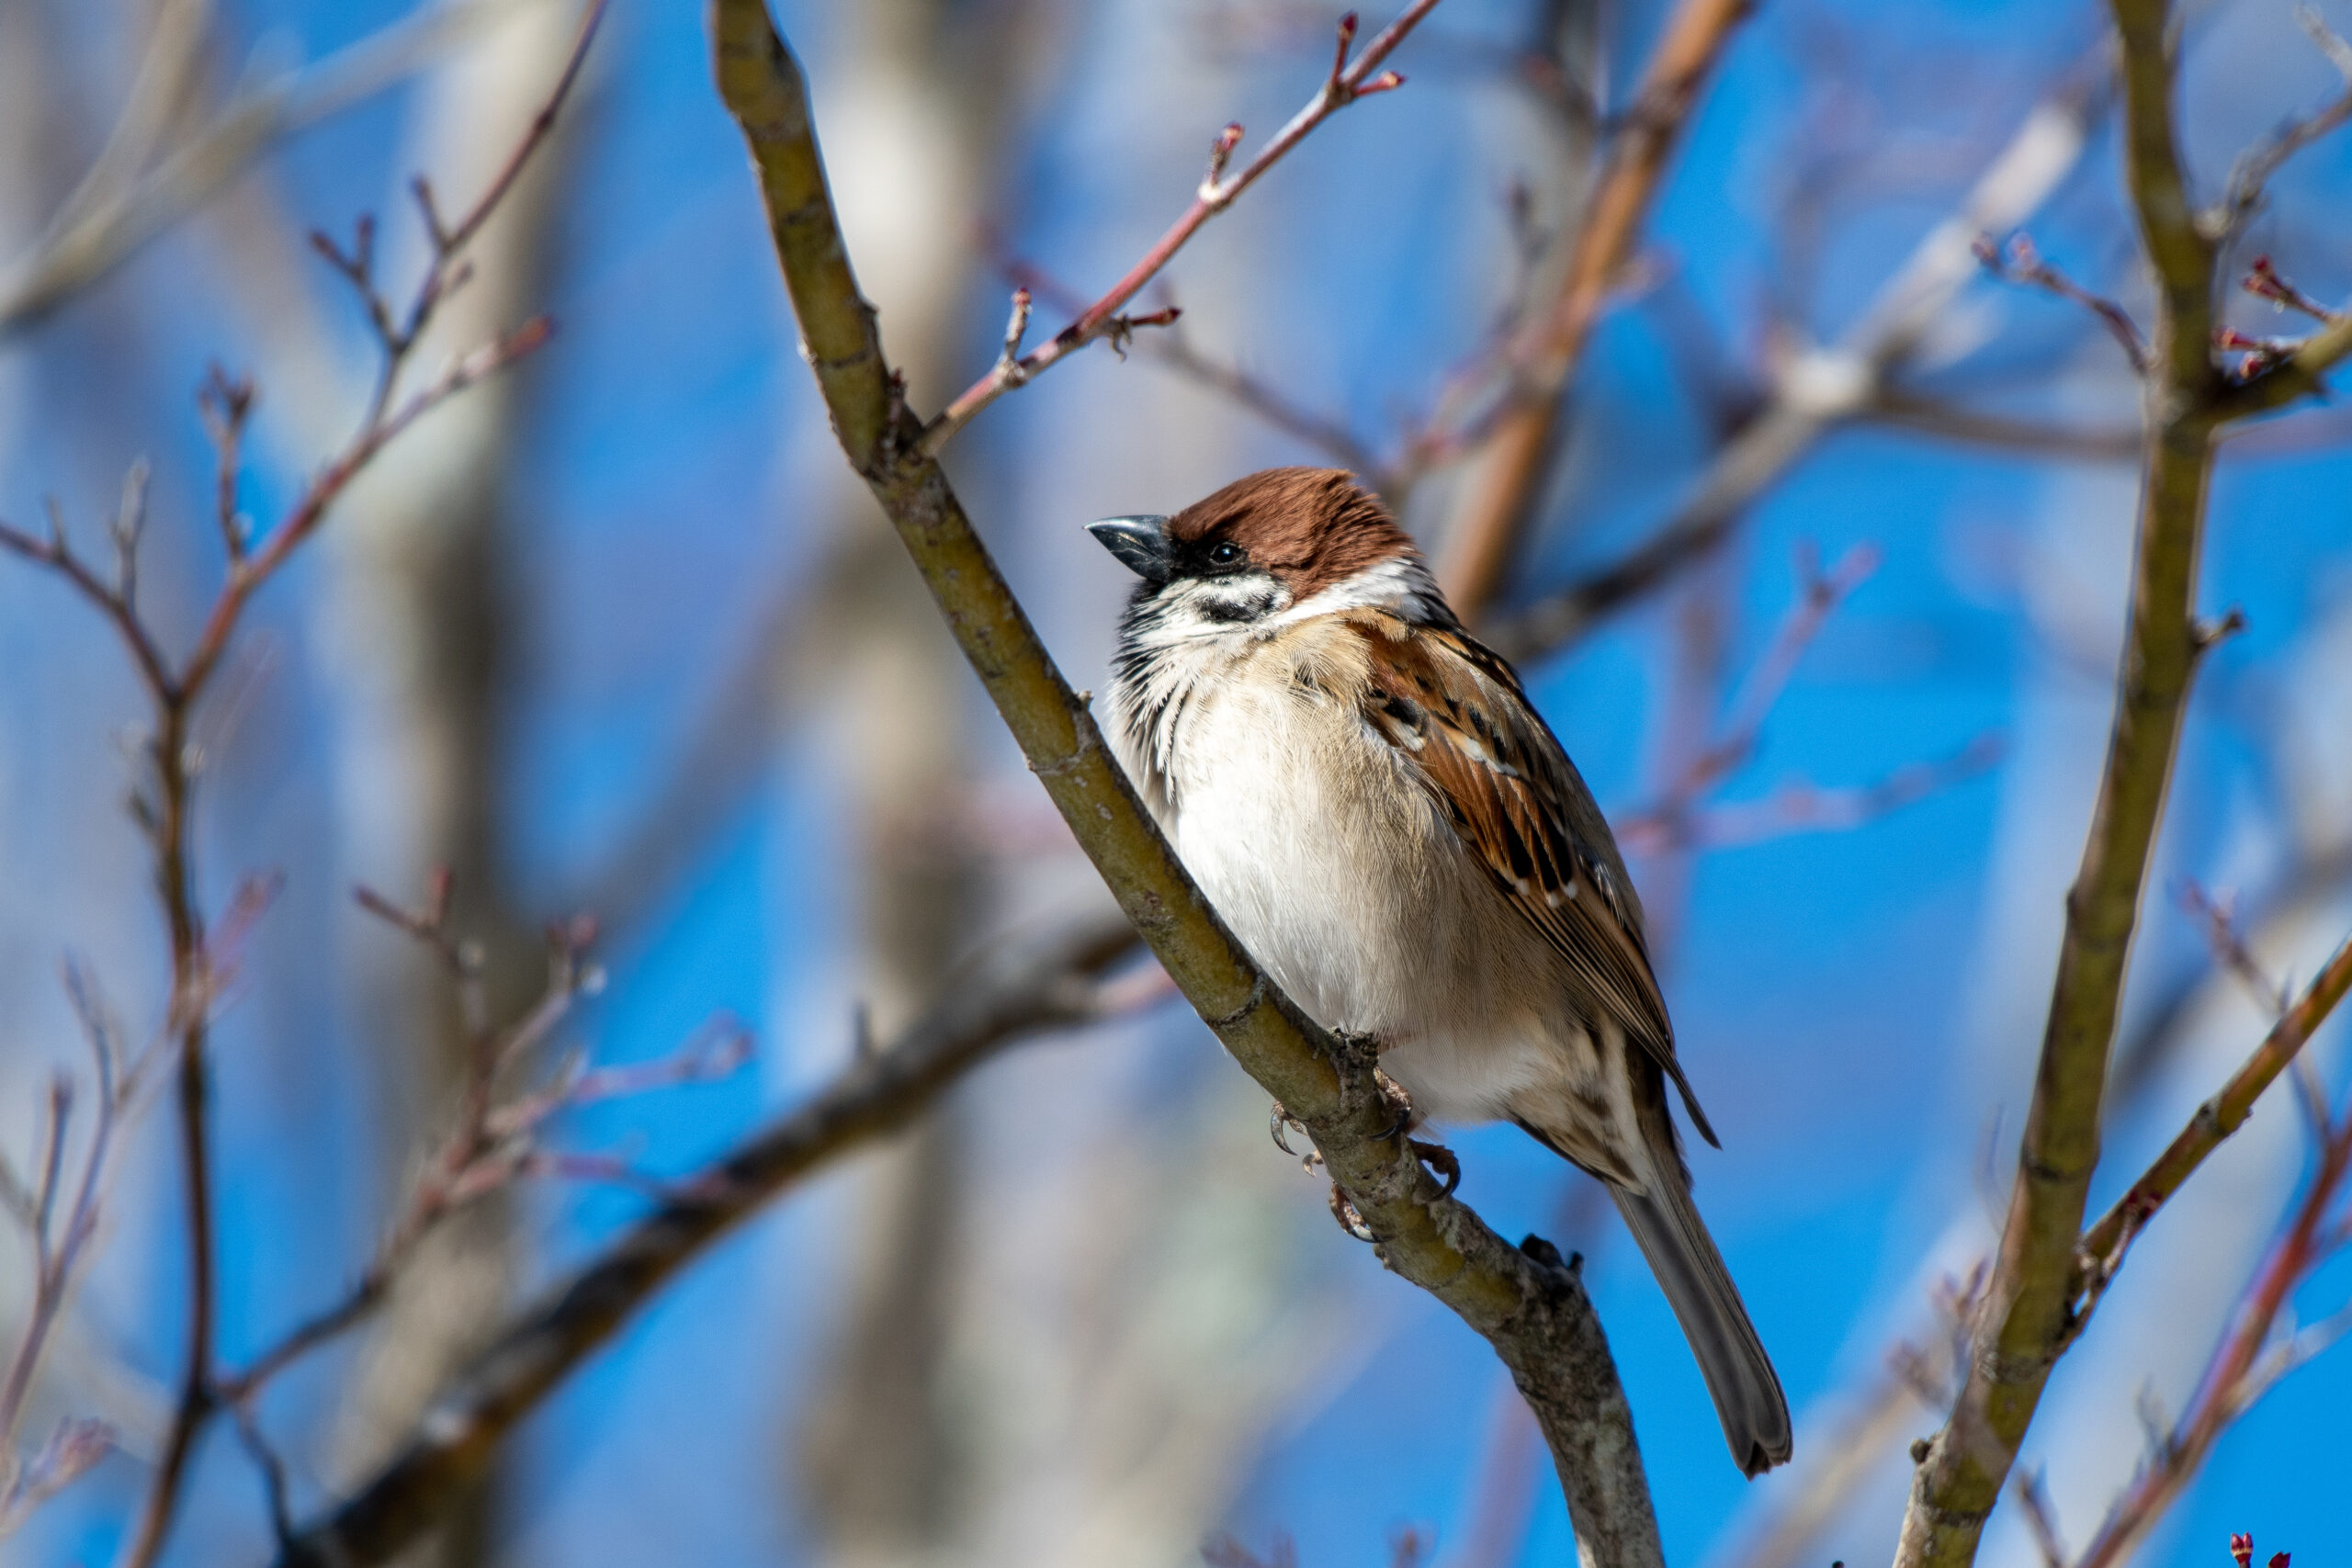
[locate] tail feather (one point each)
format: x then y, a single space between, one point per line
1738 1373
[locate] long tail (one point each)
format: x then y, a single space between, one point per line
1739 1375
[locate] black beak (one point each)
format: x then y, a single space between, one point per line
1140 543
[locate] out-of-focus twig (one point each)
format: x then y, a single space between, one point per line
1819 389
1515 451
125 203
2250 177
166 804
1174 350
2019 262
60 1206
1348 81
1051 984
1526 1303
496 1139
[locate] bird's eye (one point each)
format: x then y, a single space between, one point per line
1226 553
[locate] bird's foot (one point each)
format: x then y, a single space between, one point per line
1280 1121
1441 1163
1350 1220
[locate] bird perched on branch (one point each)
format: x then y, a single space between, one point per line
1390 826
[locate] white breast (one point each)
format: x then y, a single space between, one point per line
1335 868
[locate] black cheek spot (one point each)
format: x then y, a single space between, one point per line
1230 612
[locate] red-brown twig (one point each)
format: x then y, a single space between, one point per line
1347 82
2247 1363
1052 982
2220 920
59 1207
2021 262
1517 446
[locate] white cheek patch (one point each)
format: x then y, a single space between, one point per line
1215 606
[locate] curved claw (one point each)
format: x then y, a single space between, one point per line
1399 1100
1350 1220
1441 1163
1278 1119
1282 1120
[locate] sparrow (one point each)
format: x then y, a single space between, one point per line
1369 799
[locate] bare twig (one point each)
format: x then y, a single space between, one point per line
2251 176
2040 1518
1517 449
1819 389
2103 1246
2244 1366
496 1141
123 205
169 805
1051 984
1174 350
1527 1303
2220 920
59 1207
2020 263
1347 82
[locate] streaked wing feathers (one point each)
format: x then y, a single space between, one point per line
1456 712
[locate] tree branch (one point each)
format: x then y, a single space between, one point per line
2029 1317
1531 1308
1045 986
1517 451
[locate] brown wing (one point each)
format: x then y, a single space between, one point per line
1457 713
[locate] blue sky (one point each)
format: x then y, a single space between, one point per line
1858 1008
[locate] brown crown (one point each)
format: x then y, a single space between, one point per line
1310 527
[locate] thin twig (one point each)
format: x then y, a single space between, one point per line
2250 177
1173 349
1347 82
2104 1245
2020 263
1517 449
2237 1375
1051 984
1819 389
